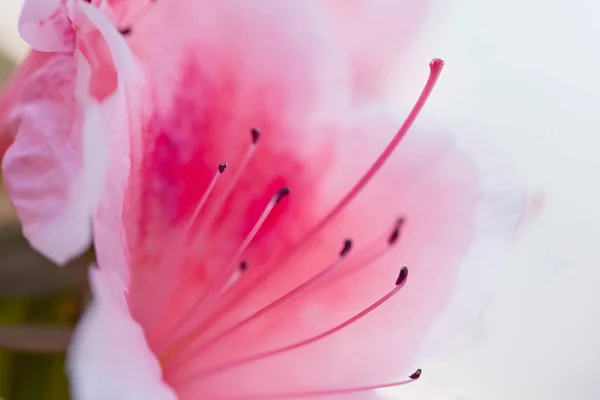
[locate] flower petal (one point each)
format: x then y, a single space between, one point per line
497 220
45 26
42 168
11 91
55 170
109 357
210 88
430 182
123 113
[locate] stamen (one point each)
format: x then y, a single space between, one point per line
205 197
255 135
281 194
372 257
402 276
235 276
234 181
323 278
136 18
126 31
209 218
319 393
347 247
222 167
191 353
396 232
222 278
400 282
416 375
435 69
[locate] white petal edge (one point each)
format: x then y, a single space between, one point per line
496 226
109 358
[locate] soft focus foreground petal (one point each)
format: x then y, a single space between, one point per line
45 26
12 88
109 357
122 113
55 170
41 166
11 91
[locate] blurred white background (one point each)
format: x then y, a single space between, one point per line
10 41
523 72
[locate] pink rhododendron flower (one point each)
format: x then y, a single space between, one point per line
269 232
60 110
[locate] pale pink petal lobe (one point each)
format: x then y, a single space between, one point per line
109 357
45 26
43 162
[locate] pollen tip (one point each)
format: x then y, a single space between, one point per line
416 375
243 266
125 31
222 167
402 276
393 238
436 63
283 192
255 135
395 235
346 248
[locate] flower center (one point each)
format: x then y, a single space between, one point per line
229 287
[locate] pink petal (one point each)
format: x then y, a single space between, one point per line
11 91
45 26
123 112
216 74
5 142
54 171
497 219
41 169
109 357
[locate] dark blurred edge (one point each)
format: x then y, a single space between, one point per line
35 338
6 67
25 273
